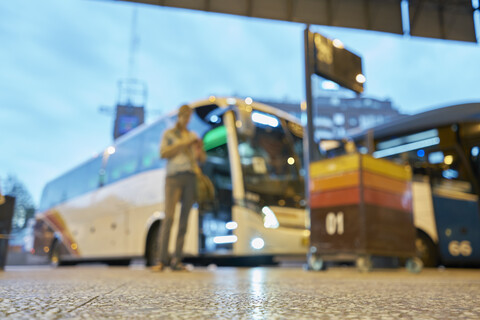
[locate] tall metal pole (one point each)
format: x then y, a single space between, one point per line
308 141
309 60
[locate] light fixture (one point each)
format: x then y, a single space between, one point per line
338 44
360 78
232 225
448 160
329 85
265 119
257 243
475 150
214 119
269 219
407 147
225 239
231 101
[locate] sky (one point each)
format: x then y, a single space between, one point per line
60 61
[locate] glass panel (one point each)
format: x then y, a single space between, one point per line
271 167
150 158
125 161
215 235
83 179
296 134
450 174
443 166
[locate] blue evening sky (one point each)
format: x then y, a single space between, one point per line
61 60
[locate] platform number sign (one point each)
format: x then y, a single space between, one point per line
334 223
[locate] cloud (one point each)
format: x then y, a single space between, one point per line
64 59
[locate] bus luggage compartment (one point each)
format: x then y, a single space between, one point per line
360 207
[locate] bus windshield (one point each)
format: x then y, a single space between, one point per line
271 166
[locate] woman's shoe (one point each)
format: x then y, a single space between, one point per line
158 267
178 267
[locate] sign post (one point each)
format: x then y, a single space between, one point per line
328 59
308 141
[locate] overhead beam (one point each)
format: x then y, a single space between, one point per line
442 19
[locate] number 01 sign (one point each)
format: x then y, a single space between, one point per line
334 223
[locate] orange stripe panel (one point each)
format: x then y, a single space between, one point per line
335 198
349 179
54 221
381 182
388 200
56 224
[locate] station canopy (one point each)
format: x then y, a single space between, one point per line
441 19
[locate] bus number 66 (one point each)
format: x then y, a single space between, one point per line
457 248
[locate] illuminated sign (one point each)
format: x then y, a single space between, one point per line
127 118
335 63
127 123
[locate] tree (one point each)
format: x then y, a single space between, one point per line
24 204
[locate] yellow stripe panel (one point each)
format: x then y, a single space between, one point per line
383 183
347 180
386 168
334 166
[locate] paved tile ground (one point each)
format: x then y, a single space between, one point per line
98 292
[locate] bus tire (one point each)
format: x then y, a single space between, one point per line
414 265
426 250
364 263
54 254
151 252
315 262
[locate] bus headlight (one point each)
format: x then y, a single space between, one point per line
257 243
269 219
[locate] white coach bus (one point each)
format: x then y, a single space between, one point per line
111 206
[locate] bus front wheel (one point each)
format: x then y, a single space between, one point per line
151 254
426 250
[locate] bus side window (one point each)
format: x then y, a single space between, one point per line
125 161
150 158
448 172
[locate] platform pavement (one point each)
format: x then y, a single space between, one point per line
100 292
